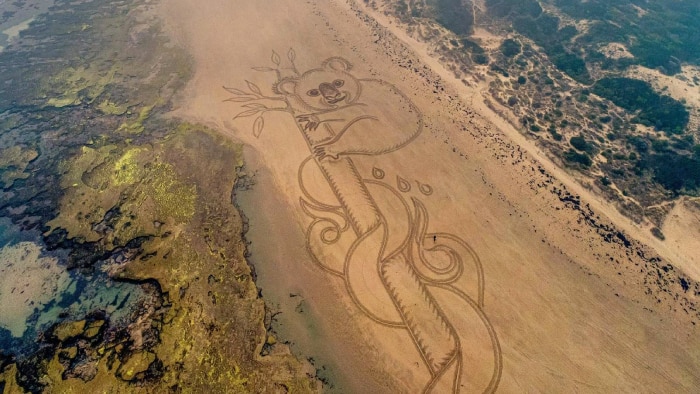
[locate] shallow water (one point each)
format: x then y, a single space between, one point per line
42 292
16 16
8 235
37 290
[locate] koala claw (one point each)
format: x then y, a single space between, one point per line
322 152
311 122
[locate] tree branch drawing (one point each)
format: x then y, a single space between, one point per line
257 100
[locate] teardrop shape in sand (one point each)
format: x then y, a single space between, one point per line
378 173
403 184
425 188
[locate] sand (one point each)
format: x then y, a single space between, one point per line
17 16
682 232
13 32
559 308
28 281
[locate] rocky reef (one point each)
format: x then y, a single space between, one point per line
115 191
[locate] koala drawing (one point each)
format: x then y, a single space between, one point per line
342 115
368 234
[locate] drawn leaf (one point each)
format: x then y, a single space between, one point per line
235 91
254 88
263 69
256 106
275 58
291 55
249 112
241 99
258 126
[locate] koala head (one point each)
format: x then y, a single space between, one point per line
327 87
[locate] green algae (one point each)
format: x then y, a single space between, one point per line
162 191
153 199
137 127
14 162
8 377
73 86
85 202
69 330
174 199
135 180
137 364
108 107
93 329
127 170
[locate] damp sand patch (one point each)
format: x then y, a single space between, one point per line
16 16
37 291
28 282
11 33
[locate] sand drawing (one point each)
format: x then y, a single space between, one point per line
373 231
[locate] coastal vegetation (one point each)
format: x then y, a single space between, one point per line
566 67
652 109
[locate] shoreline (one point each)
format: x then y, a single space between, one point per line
300 296
547 273
476 96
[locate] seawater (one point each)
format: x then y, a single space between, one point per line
19 16
73 298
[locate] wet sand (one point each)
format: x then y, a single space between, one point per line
308 315
569 308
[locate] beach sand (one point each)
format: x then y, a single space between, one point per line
28 281
570 309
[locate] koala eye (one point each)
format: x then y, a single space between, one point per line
338 83
313 92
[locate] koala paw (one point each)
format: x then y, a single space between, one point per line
309 121
326 152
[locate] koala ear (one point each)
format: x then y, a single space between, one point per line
337 64
285 86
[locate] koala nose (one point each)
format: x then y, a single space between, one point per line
328 90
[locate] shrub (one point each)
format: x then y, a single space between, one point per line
662 112
578 158
675 172
510 47
480 58
455 16
579 142
655 231
553 131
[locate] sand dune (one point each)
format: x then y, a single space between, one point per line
411 242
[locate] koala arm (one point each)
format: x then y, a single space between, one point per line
370 135
335 146
343 113
312 120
